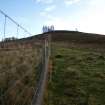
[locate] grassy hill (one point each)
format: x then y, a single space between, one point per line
79 37
78 74
61 36
19 60
78 69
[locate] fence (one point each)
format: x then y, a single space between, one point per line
39 92
22 77
10 28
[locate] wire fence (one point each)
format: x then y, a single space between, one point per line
9 28
23 72
43 74
19 68
18 82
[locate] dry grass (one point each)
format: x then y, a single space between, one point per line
18 75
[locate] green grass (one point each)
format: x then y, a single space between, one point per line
18 76
78 77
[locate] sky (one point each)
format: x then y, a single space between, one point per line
84 15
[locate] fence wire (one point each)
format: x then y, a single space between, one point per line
10 28
17 67
22 76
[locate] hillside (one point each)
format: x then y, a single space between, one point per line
78 68
74 36
65 36
78 76
70 36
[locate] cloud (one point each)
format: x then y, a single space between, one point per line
56 21
47 15
60 23
47 10
70 2
90 19
95 17
45 1
50 8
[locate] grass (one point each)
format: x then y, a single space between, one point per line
78 77
18 76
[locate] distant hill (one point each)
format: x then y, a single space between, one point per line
75 36
60 35
72 36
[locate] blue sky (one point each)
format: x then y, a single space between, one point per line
85 15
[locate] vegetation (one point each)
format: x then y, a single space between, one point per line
78 71
18 76
78 76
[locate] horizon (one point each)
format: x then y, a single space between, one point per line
86 16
